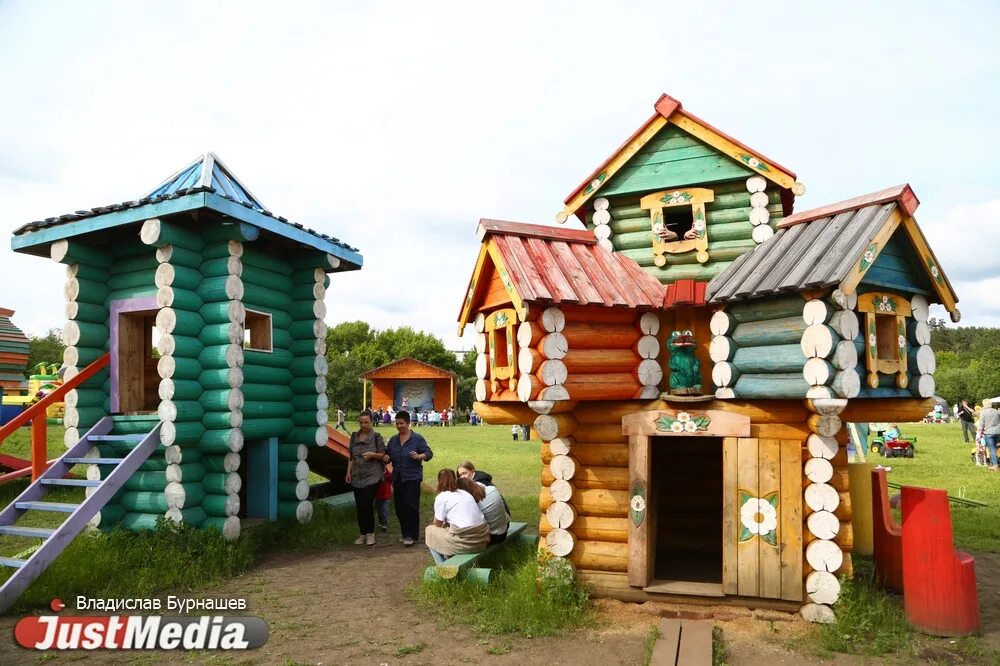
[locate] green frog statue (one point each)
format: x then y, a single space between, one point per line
685 370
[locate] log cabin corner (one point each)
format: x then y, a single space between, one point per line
690 386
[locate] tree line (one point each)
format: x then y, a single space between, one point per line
968 361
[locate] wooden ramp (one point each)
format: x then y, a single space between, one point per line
330 461
78 515
683 643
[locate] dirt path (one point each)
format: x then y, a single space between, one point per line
338 607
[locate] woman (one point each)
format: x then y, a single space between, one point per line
407 451
492 504
364 474
459 525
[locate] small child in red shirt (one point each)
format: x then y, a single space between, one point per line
382 498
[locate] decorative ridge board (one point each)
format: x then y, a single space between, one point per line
670 110
489 227
942 285
903 195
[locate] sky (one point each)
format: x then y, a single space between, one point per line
396 126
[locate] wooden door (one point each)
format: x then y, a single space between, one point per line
762 518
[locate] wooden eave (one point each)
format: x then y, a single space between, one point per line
669 110
431 371
476 288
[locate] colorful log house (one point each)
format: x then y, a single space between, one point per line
226 399
726 482
421 386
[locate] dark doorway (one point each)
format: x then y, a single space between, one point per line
687 481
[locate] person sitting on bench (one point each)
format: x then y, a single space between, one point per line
491 503
459 525
468 471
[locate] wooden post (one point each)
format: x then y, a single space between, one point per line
39 445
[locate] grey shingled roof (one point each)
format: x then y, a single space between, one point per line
810 255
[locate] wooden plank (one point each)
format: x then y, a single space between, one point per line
861 266
472 289
624 287
510 256
790 519
685 587
571 267
730 515
941 284
641 542
696 643
598 277
701 170
668 644
558 286
747 552
769 481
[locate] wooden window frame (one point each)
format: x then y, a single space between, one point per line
693 197
500 332
260 324
879 308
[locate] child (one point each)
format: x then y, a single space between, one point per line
382 498
514 430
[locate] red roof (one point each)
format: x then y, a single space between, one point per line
902 194
665 106
564 266
432 370
685 292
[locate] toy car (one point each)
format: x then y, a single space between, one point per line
901 447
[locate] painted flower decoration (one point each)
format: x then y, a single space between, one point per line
683 417
759 517
872 340
690 426
677 426
638 503
699 225
501 319
754 162
935 272
902 342
869 256
682 422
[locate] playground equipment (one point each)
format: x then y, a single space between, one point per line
13 359
917 558
798 323
235 388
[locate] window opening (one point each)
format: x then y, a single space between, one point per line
257 334
678 222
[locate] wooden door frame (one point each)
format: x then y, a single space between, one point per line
125 306
640 428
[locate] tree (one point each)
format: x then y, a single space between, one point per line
46 349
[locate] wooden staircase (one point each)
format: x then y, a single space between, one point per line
54 541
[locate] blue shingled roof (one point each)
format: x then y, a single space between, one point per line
208 171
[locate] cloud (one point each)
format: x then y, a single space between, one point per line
967 241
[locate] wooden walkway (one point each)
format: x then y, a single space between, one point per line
683 643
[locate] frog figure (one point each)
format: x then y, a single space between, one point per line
685 370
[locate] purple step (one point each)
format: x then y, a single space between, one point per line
92 461
11 562
31 532
70 482
46 506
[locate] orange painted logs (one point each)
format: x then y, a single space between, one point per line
609 386
585 477
599 336
588 314
504 413
585 361
593 528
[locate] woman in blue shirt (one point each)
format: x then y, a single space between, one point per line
407 451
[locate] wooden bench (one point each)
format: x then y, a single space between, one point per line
462 565
683 643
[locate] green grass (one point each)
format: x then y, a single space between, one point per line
942 460
518 601
869 622
651 638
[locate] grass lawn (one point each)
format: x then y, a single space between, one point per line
942 460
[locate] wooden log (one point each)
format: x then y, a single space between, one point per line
137 279
722 349
824 555
818 613
226 312
818 341
816 311
845 324
186 432
167 275
614 386
85 334
918 332
649 323
787 358
528 360
608 454
158 233
481 391
560 542
227 265
228 527
480 322
180 299
725 374
786 330
770 386
580 335
886 409
550 426
222 484
189 473
553 346
274 409
845 355
178 256
90 312
721 323
222 378
821 497
818 470
560 490
592 528
599 555
560 515
551 406
220 357
480 343
601 502
823 524
553 320
826 425
259 428
85 291
139 481
190 324
504 413
818 371
649 373
844 538
762 309
919 308
647 347
843 510
179 345
585 361
552 372
822 587
82 417
529 334
594 432
76 252
529 387
587 477
229 333
171 410
922 359
561 467
846 383
144 502
221 505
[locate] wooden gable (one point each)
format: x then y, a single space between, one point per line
490 285
898 268
675 148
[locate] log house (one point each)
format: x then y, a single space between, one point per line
802 321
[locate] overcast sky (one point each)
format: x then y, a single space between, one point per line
395 126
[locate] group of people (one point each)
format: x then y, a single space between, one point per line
984 428
469 511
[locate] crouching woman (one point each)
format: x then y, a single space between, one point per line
459 525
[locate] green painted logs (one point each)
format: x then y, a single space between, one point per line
177 367
307 329
222 266
771 386
279 358
308 435
292 452
259 374
787 330
253 256
159 233
298 470
180 410
179 389
310 402
85 291
222 378
153 465
312 308
229 333
261 277
222 484
132 425
84 398
311 276
222 420
185 432
141 521
293 490
229 527
221 505
263 427
144 502
168 275
179 299
268 410
180 495
96 314
230 248
769 308
306 366
220 357
238 231
81 357
222 440
299 511
194 516
230 462
223 288
178 256
182 322
179 345
75 252
175 454
85 334
308 384
143 278
277 392
264 298
682 271
222 401
146 481
223 312
109 516
82 417
310 347
90 272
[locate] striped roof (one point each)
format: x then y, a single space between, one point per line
549 265
208 171
13 352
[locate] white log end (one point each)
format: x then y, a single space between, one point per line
554 345
561 446
823 525
648 347
482 365
824 555
822 587
821 447
818 613
562 467
560 515
175 495
762 233
554 393
919 307
818 393
560 542
649 323
561 490
720 323
304 512
721 349
817 371
818 341
821 497
725 393
815 311
480 322
649 372
480 343
552 372
925 386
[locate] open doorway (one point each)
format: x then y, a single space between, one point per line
687 478
136 359
259 488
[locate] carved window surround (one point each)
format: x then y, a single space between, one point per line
693 197
885 335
